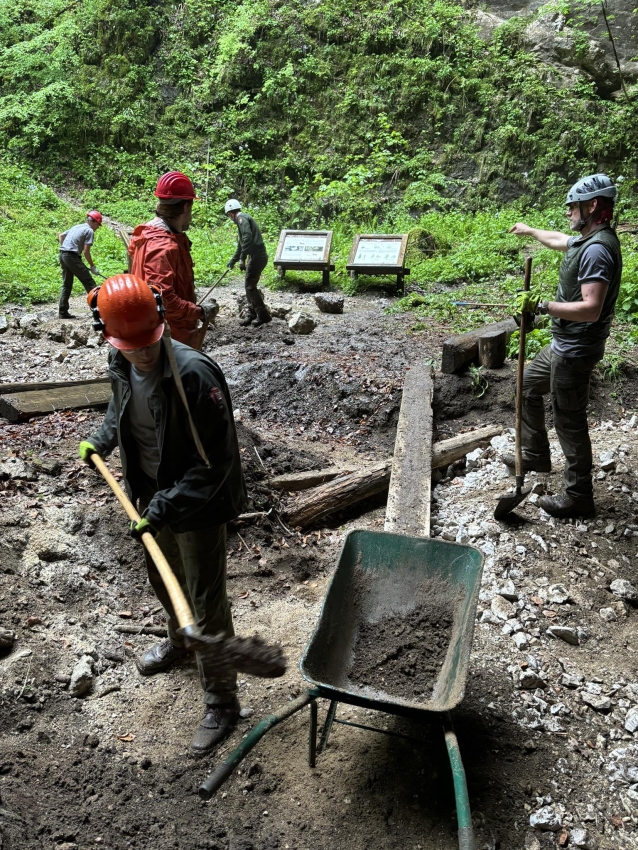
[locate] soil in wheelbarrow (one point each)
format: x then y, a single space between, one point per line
403 654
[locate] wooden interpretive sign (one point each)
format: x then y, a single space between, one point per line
304 250
377 254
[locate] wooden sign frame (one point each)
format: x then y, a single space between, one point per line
398 268
323 265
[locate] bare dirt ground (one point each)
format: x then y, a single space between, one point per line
545 724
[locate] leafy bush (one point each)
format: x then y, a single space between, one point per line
535 341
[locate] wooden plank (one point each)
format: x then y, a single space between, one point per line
22 405
460 350
48 385
408 510
295 481
447 451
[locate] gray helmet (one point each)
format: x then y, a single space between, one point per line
593 186
232 205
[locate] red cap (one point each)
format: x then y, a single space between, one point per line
95 215
175 186
129 310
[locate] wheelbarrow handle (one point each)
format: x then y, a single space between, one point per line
178 600
217 778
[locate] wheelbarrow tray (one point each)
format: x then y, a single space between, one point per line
381 575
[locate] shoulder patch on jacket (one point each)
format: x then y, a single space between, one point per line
216 396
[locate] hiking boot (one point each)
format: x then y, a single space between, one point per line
263 317
159 657
216 724
563 506
65 315
530 464
247 320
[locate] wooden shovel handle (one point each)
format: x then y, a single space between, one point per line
180 605
519 380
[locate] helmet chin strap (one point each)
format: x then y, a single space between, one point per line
583 221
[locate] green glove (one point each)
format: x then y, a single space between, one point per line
87 449
527 302
137 529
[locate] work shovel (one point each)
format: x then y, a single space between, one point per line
223 655
200 335
507 503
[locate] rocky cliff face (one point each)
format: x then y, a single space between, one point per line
585 53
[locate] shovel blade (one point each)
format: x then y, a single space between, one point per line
509 501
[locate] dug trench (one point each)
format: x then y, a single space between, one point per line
547 724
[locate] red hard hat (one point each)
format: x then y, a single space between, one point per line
95 215
127 311
175 186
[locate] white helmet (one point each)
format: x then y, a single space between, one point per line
232 206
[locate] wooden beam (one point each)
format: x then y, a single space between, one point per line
408 510
492 349
460 350
447 451
24 403
295 481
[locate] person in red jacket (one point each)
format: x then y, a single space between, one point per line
161 255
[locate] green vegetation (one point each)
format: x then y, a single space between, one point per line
535 341
480 384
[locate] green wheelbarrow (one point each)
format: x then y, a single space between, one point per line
385 577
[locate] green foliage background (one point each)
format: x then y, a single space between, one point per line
382 115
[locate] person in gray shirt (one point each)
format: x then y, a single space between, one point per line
581 316
74 243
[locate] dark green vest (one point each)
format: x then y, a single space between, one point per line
569 288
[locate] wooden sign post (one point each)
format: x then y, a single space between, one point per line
304 250
377 254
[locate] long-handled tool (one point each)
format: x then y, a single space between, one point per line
247 655
507 503
476 305
198 339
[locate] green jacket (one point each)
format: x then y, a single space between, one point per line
569 288
249 239
190 495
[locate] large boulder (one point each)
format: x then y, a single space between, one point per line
329 302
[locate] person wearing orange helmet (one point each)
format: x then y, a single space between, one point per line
73 244
181 463
160 254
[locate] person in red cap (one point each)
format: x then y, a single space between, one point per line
171 416
161 255
73 244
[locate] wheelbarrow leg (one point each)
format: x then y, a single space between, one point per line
463 813
312 741
327 726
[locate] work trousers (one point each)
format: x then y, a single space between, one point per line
567 380
72 266
254 268
198 559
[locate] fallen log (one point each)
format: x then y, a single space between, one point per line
346 490
21 401
492 349
339 493
460 350
294 481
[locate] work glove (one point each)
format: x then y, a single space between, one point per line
210 310
85 450
527 302
230 264
242 265
95 270
137 529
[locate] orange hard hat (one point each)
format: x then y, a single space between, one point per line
128 312
175 186
95 215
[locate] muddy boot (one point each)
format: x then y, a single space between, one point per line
263 317
564 506
530 464
159 657
216 724
248 319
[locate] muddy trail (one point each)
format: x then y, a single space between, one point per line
548 725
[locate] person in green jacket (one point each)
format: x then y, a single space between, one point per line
581 316
253 258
